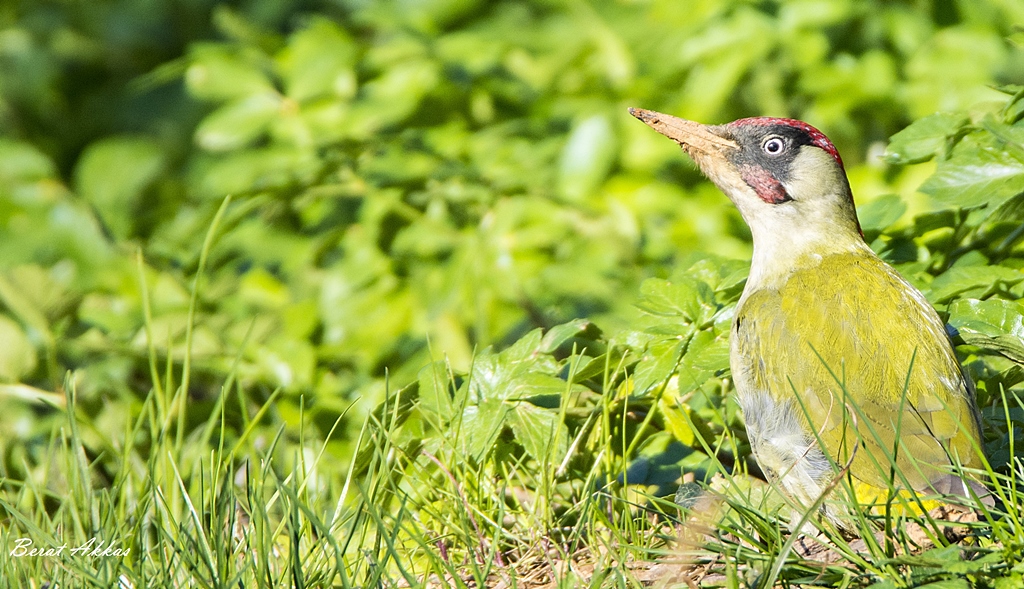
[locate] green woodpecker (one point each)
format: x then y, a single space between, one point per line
838 362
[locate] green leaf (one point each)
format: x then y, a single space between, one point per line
593 367
587 157
481 425
994 324
258 169
526 348
947 584
656 365
693 301
1011 581
113 314
968 567
262 290
1011 211
519 372
977 174
539 430
706 356
287 362
22 162
924 138
685 425
535 385
17 355
931 558
218 72
930 221
32 295
391 97
720 274
238 123
432 15
319 61
559 334
113 174
880 213
1014 110
435 390
961 279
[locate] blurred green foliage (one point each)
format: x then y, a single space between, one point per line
417 180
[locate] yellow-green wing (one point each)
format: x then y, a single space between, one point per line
853 323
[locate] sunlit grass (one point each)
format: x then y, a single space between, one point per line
270 513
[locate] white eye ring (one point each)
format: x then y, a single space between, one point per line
773 145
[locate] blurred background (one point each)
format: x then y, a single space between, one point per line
411 180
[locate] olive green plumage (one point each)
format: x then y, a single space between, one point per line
815 344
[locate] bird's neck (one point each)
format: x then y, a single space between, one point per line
775 258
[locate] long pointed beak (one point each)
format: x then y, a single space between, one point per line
690 135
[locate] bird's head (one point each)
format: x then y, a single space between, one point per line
785 177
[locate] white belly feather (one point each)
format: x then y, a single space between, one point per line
783 446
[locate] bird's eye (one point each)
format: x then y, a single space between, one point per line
773 145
